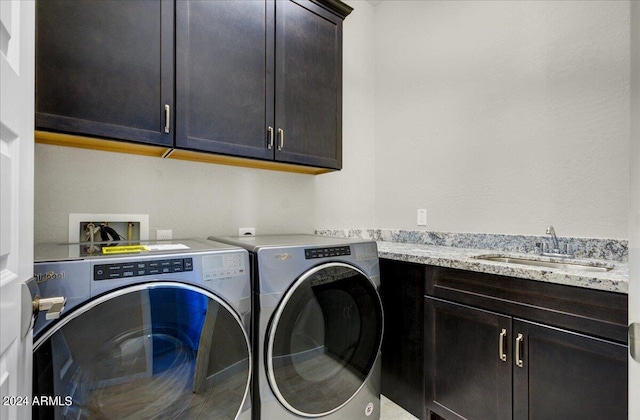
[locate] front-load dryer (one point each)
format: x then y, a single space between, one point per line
158 334
318 325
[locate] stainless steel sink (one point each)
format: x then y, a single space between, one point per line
566 265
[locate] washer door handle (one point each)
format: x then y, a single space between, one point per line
32 304
53 306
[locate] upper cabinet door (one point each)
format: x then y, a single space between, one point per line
224 77
308 84
105 69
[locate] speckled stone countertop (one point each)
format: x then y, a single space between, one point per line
615 280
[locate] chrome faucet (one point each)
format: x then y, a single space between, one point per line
556 251
551 231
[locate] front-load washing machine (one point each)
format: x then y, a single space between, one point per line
318 325
158 334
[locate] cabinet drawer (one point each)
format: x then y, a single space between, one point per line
595 312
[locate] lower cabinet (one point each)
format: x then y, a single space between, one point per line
487 365
461 344
402 287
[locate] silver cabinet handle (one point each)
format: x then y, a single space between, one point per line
519 340
270 144
281 137
167 118
634 341
501 345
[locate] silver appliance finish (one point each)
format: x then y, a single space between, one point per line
219 271
279 264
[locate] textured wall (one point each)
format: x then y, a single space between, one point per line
194 199
634 208
498 117
503 116
347 198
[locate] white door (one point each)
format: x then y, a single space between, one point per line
17 49
634 214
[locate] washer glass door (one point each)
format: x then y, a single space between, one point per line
156 350
324 339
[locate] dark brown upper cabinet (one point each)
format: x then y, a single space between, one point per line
106 69
261 79
223 83
252 79
308 100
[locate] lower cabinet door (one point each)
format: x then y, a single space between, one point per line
468 362
565 375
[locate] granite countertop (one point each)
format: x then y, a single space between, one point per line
615 280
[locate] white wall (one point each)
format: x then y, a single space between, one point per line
498 117
346 199
634 207
193 199
503 116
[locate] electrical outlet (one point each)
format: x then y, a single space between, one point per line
164 235
422 217
246 231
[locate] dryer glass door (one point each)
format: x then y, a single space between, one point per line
160 350
324 339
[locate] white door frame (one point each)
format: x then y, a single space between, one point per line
634 206
17 80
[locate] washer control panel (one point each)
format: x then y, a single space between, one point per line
141 268
334 251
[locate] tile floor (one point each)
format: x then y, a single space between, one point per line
391 411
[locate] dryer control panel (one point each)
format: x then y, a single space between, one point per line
334 251
141 268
